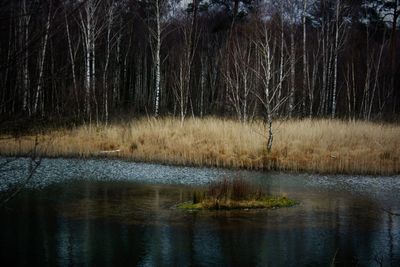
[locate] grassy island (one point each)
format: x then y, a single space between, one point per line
264 203
234 194
323 146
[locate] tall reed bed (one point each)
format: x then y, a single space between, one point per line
327 146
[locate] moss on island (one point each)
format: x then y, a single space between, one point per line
234 194
266 203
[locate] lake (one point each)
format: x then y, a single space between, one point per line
116 213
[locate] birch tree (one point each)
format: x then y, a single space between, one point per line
25 18
110 37
305 65
291 9
389 13
89 28
90 59
336 58
157 37
238 76
265 72
42 58
72 52
190 38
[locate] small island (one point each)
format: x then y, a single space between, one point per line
234 194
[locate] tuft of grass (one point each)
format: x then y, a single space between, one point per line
234 194
266 203
190 206
325 146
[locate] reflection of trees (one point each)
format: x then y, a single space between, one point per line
391 213
359 231
163 242
393 232
310 233
28 232
207 244
241 242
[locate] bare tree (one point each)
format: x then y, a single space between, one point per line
190 39
95 59
305 65
265 73
72 51
238 75
89 24
290 10
282 53
292 73
110 43
25 18
157 38
337 25
42 58
156 27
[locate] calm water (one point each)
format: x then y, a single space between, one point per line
115 213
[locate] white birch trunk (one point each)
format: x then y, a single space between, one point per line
281 63
157 59
86 25
268 99
42 59
324 72
202 85
72 59
25 19
336 60
305 66
376 80
292 73
107 62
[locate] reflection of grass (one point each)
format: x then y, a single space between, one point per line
329 146
234 194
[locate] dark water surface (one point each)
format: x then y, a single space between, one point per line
114 213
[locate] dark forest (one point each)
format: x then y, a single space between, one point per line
93 59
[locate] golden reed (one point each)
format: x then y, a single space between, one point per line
325 146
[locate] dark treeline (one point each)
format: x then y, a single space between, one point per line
90 59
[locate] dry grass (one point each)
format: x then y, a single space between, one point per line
234 194
328 146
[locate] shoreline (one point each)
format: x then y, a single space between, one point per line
307 146
131 160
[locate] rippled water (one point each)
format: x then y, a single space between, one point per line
108 213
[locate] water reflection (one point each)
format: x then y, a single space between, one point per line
122 223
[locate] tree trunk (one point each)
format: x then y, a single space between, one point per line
157 59
72 59
305 66
25 19
396 14
42 59
202 84
107 62
335 60
281 63
292 73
